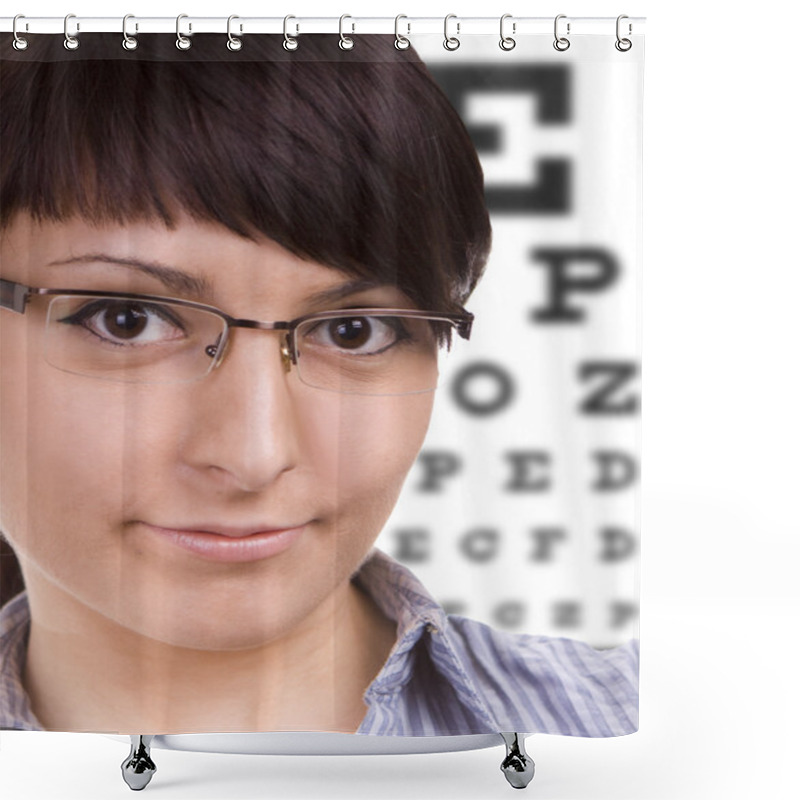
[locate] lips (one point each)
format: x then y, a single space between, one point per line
229 544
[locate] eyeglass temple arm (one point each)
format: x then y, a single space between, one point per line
14 296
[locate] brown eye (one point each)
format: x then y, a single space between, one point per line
353 336
125 320
129 323
350 333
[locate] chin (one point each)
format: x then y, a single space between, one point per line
215 620
211 635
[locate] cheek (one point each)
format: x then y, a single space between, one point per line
364 446
64 447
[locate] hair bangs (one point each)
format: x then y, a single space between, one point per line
361 165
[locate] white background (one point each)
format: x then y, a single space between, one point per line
721 537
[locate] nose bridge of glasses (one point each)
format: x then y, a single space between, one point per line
286 348
261 326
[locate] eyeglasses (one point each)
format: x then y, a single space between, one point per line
137 338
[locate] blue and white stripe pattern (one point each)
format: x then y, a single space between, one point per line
444 676
452 675
15 709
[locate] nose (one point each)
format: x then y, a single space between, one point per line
243 429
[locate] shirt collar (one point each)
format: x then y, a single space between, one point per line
400 595
15 709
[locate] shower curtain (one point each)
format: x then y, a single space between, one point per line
230 265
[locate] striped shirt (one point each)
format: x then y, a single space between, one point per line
445 675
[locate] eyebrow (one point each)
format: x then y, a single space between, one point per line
343 290
184 283
174 279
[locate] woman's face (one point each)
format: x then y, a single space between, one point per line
144 502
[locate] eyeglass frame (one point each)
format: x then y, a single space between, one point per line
16 296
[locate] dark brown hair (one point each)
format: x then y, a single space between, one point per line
352 159
11 582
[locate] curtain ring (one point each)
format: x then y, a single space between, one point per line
234 43
506 42
289 42
70 42
561 43
345 42
401 42
623 45
182 42
19 43
129 42
451 42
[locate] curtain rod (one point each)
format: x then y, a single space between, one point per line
294 25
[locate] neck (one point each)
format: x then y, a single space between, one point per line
98 676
